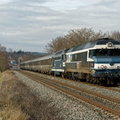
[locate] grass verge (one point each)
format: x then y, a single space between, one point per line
0 76
18 103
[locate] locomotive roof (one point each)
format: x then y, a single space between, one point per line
91 44
60 52
38 59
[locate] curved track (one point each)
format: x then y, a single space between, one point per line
111 105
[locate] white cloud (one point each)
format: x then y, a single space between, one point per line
69 4
40 18
16 33
37 22
4 1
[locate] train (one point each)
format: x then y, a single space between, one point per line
96 62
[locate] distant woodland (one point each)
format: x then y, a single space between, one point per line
73 38
7 57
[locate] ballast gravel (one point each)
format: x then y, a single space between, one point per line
70 108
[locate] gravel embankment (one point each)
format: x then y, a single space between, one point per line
70 109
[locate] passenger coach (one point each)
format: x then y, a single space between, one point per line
42 64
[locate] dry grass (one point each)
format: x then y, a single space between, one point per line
0 76
11 113
18 103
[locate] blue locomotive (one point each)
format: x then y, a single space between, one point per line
96 62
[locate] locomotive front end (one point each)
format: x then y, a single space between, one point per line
106 60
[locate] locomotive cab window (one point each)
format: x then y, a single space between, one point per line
92 53
104 52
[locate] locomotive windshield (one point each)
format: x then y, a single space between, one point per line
104 52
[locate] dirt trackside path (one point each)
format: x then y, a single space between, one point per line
18 103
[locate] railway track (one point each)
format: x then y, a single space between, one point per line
111 105
116 89
112 89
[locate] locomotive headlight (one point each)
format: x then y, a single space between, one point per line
118 67
103 67
92 64
110 44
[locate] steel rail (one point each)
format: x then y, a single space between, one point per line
80 97
83 90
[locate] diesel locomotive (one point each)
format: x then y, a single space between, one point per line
95 62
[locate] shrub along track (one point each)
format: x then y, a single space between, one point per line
107 104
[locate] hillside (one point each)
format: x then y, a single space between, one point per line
22 56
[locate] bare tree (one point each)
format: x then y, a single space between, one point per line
73 38
3 59
115 35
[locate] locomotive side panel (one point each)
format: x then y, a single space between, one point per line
97 61
77 62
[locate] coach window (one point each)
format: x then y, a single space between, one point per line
76 56
39 62
48 61
62 57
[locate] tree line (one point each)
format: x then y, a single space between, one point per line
78 36
15 56
3 59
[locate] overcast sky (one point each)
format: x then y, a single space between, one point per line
30 25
